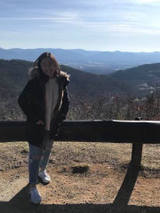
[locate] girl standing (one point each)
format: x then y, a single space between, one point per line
45 102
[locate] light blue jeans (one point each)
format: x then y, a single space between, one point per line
38 158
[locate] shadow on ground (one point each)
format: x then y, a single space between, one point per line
20 202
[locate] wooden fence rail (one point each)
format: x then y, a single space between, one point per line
111 131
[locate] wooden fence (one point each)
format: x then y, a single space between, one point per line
111 131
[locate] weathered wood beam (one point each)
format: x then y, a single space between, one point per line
113 131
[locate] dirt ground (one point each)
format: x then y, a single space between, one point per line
86 178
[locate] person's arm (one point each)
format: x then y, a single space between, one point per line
25 100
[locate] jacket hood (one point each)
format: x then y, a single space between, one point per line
34 73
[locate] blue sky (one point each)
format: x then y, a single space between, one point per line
105 25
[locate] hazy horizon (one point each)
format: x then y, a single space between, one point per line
80 49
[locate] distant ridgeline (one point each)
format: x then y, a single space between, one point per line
100 62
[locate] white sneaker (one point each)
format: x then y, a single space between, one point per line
44 177
35 196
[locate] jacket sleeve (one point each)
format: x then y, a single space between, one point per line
65 104
25 100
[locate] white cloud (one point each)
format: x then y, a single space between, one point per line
147 1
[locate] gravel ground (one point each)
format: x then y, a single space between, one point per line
86 177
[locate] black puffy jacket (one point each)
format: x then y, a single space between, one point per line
32 103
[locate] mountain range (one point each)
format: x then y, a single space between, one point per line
14 75
87 90
139 80
90 61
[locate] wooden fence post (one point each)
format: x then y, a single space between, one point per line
137 152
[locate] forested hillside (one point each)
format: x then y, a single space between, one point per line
14 74
146 74
122 95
